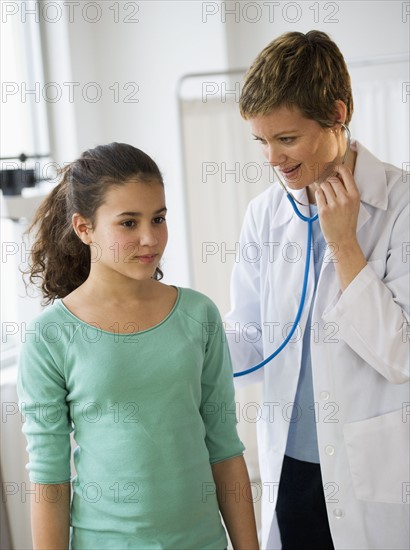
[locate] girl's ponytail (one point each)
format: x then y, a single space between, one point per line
59 261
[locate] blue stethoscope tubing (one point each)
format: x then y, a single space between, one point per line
309 222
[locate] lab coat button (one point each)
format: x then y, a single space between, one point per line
324 395
338 513
329 450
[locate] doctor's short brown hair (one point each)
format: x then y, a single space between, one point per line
307 71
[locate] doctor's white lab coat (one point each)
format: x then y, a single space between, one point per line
359 349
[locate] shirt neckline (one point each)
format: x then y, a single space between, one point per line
117 333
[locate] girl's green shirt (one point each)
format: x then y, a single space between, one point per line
149 411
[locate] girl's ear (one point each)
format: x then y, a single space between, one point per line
82 227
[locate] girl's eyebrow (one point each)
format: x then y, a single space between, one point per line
164 209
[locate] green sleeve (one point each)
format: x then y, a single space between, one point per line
218 407
42 396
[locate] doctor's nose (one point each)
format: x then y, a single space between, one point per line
274 155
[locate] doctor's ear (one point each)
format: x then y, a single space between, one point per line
82 227
340 111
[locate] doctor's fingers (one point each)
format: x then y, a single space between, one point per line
345 174
320 200
334 191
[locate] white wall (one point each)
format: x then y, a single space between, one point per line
361 28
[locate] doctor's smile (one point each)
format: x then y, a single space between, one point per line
290 172
302 157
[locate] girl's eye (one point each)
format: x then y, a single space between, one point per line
159 220
128 223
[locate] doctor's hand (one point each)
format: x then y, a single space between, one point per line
338 202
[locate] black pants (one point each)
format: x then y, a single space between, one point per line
301 508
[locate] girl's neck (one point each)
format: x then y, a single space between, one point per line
100 290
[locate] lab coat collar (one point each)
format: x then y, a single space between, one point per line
370 177
284 211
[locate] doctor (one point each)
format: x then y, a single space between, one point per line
333 437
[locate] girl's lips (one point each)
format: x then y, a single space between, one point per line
147 259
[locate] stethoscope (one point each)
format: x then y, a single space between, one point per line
309 221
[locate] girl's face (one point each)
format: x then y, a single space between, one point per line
130 232
299 148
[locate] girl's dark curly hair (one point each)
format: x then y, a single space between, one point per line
59 261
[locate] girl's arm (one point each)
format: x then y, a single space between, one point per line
235 502
50 516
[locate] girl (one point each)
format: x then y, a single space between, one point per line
137 369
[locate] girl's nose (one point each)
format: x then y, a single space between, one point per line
148 236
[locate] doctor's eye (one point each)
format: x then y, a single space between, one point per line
260 140
287 140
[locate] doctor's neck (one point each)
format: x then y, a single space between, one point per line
350 163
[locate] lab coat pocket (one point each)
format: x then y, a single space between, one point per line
378 453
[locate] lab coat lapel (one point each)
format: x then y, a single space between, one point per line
328 263
285 215
370 177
